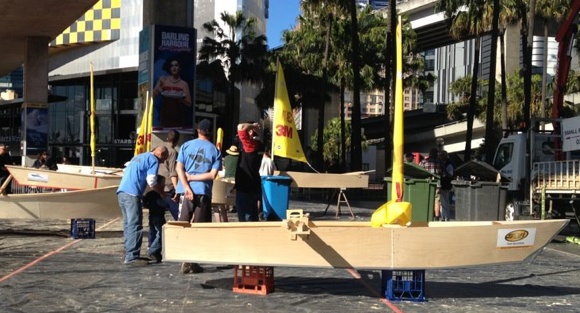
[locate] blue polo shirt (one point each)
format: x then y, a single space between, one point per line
134 179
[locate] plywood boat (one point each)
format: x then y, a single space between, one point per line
61 180
87 169
348 244
90 203
328 180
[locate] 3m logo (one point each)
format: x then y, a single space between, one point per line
516 235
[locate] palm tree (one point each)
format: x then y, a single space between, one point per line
464 24
490 139
549 10
240 52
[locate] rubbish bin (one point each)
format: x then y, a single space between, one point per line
479 201
481 195
420 192
275 197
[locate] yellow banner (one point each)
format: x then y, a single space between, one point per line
143 141
93 135
285 140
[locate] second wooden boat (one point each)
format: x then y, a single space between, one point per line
28 176
91 203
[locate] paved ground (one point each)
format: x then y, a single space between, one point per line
43 270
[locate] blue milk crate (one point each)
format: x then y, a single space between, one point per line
82 228
404 285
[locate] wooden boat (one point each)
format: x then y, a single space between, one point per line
90 203
299 242
327 180
61 180
87 169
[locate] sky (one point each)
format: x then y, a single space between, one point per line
283 14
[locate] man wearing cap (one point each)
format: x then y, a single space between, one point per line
198 164
248 181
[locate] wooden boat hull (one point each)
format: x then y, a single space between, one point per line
328 180
61 180
86 169
336 244
93 203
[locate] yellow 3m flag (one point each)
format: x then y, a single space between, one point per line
143 142
285 140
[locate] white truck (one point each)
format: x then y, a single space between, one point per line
544 182
544 172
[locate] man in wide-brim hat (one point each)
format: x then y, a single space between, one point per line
233 150
231 161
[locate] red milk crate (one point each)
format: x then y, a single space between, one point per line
253 279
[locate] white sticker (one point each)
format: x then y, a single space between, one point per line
516 237
43 178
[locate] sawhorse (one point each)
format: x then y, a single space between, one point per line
341 199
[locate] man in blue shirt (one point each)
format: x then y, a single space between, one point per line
198 164
141 171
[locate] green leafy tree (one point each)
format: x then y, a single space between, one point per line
466 23
333 143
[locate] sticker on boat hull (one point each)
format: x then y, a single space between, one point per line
518 237
43 178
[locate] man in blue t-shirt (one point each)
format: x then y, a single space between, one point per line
198 164
141 171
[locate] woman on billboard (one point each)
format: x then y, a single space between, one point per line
175 93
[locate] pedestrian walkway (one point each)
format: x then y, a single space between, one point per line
43 270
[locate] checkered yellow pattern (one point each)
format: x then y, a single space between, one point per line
101 23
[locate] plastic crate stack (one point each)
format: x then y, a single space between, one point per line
253 279
404 285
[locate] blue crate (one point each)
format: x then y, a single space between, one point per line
82 228
401 285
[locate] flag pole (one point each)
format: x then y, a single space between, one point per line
92 120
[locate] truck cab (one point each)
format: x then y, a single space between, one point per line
510 160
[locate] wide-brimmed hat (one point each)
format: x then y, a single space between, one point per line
233 150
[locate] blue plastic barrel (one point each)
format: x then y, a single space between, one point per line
275 197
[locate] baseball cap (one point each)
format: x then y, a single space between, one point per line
204 125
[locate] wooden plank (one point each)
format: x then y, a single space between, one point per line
335 244
326 180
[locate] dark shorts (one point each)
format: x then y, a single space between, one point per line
196 211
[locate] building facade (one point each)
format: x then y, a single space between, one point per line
107 37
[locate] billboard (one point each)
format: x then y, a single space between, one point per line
167 59
35 119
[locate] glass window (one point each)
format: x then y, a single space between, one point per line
504 155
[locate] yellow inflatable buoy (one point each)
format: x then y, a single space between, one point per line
392 212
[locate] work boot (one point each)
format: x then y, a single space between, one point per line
156 257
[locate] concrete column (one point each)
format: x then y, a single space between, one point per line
170 13
35 90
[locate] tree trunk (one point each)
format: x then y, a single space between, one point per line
342 127
528 64
387 99
472 101
544 72
490 141
356 152
504 120
319 154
